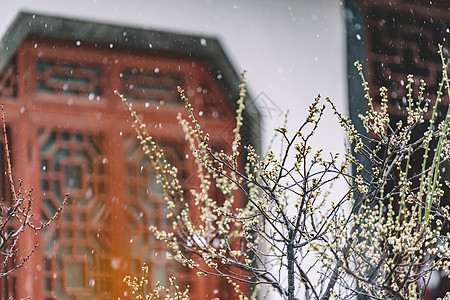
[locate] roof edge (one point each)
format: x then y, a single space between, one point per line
208 49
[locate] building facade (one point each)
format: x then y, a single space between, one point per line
69 133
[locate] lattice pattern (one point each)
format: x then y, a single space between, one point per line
146 207
78 249
81 256
402 43
69 78
153 86
75 249
8 80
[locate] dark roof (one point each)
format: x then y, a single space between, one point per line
207 49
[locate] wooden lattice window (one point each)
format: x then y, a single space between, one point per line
77 139
68 77
402 42
153 85
75 251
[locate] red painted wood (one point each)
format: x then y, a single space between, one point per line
71 134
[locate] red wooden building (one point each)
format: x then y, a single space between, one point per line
70 133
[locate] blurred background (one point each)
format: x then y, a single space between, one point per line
292 51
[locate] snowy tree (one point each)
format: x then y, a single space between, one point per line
382 239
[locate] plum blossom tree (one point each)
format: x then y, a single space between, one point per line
382 239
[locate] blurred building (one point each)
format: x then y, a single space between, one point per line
57 76
71 134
